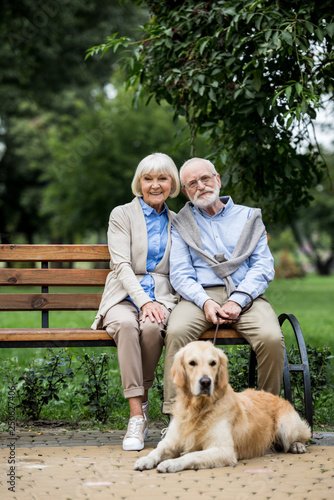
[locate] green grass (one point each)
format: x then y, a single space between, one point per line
310 299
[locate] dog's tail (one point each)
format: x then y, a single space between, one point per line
290 429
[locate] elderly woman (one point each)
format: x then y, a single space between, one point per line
138 297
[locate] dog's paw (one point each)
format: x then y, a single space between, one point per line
172 465
297 447
145 463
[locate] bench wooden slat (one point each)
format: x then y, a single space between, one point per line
50 301
227 333
57 277
61 334
54 253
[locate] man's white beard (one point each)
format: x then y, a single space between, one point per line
207 200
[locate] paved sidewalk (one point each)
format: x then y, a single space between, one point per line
69 465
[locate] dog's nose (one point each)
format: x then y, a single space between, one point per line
205 383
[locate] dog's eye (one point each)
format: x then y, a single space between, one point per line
192 363
212 363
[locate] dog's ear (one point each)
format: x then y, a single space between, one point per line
178 371
222 375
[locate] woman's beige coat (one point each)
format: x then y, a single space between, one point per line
127 242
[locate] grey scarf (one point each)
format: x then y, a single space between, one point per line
189 231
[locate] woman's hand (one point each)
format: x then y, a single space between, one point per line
154 312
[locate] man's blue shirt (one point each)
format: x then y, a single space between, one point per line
219 234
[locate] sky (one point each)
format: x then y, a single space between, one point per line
324 127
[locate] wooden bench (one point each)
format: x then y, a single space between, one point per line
43 275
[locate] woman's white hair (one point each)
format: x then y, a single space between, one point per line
188 162
156 163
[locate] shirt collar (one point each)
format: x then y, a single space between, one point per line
150 210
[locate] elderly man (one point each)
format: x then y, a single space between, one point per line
220 249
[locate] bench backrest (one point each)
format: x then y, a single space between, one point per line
44 275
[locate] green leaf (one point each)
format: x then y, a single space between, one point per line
258 22
202 47
298 112
212 95
320 34
230 61
309 26
168 43
237 93
302 43
330 29
312 113
229 11
287 37
169 32
201 90
289 122
249 17
304 106
257 82
276 41
260 108
299 88
288 91
267 35
249 94
277 94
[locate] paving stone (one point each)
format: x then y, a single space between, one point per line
75 465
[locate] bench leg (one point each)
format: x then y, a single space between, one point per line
251 371
286 378
302 367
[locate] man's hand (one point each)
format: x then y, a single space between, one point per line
229 312
153 311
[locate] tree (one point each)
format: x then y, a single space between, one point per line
242 72
313 228
43 74
94 155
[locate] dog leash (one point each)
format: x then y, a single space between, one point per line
244 309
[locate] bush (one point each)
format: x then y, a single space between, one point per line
46 383
42 381
96 388
319 361
288 266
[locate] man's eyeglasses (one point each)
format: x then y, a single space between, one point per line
205 179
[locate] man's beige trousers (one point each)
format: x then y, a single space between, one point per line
259 326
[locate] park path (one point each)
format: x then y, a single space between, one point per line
70 465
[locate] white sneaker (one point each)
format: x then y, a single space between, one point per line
136 434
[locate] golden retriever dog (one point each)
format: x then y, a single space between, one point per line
213 426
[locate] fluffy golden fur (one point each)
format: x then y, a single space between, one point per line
213 426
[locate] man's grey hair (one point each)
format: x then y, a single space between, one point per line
188 162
